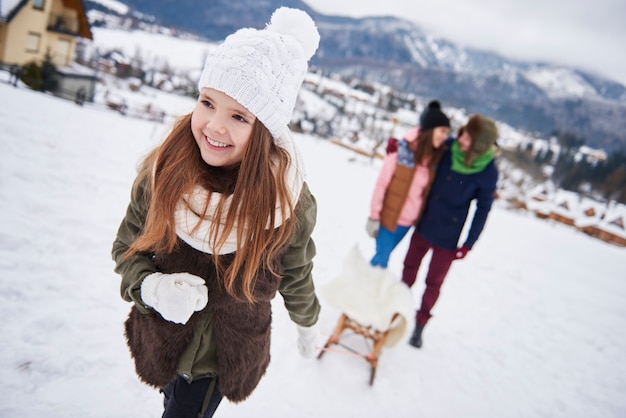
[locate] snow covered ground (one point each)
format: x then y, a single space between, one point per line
530 324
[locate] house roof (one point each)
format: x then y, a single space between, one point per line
85 29
542 207
590 213
540 192
8 8
614 220
566 203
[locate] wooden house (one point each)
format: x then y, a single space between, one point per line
590 214
565 207
539 201
612 227
30 29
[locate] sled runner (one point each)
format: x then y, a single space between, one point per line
374 304
377 337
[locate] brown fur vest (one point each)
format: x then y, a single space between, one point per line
242 330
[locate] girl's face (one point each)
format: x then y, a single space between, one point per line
465 141
221 127
440 134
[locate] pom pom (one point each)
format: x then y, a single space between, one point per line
434 104
298 24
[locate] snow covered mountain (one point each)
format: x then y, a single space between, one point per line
538 97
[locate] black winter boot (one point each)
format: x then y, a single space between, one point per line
416 337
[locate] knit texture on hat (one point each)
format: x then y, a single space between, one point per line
264 69
484 134
433 117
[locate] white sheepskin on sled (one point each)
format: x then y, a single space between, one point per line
371 296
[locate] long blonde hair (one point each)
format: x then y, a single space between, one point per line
176 167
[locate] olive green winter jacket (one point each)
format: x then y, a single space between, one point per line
297 288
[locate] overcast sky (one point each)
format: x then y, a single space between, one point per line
587 34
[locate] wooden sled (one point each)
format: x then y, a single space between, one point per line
378 338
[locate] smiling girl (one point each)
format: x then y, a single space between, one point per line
403 182
220 219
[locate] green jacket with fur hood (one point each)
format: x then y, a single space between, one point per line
199 359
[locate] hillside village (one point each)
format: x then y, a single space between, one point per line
352 114
355 119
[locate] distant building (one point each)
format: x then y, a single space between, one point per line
31 28
612 226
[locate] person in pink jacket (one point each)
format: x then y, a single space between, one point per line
404 181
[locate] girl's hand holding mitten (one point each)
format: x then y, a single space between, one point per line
175 296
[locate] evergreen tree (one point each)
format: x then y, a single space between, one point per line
40 77
613 183
30 74
49 80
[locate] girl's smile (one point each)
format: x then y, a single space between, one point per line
216 144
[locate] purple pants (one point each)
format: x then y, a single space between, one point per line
439 265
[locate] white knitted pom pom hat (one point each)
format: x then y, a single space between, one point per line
264 69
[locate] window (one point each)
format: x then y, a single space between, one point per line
62 52
32 42
38 4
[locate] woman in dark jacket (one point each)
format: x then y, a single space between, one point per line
467 172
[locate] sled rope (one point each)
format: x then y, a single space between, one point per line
346 350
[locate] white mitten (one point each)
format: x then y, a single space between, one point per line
372 227
175 296
308 340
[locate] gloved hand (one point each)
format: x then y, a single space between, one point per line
460 253
392 145
175 296
308 341
372 227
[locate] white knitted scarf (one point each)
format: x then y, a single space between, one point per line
191 204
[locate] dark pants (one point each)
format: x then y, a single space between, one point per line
439 265
198 399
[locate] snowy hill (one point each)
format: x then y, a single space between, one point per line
528 324
560 83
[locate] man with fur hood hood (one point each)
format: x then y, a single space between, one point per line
466 172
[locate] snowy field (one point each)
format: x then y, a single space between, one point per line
528 324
